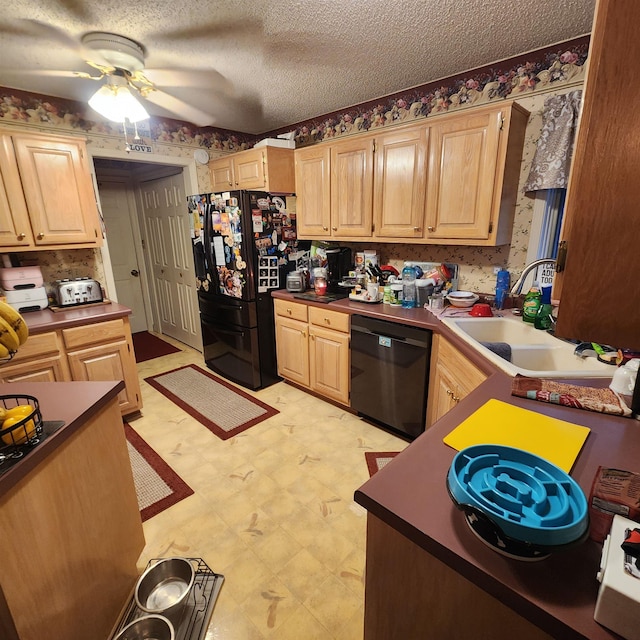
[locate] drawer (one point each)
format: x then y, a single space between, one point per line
293 310
329 319
38 345
93 333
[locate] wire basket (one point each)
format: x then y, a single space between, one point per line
24 432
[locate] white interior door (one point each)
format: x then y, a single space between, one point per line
118 211
166 222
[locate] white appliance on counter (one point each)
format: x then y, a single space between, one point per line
23 287
618 603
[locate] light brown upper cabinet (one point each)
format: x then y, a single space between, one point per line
313 192
399 183
474 167
46 193
452 180
334 189
265 168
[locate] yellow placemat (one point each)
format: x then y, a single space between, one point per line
497 422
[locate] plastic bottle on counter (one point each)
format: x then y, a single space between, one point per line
408 287
543 317
531 303
502 287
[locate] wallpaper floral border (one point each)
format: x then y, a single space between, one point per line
530 72
528 78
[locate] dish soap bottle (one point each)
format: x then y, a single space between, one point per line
531 303
543 317
409 287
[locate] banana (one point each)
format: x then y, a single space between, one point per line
15 321
4 353
8 336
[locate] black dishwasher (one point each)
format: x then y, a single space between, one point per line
390 374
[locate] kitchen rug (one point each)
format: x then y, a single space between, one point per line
377 461
218 405
147 346
158 486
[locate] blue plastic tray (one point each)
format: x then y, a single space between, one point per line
527 497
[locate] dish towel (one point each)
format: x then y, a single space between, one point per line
590 398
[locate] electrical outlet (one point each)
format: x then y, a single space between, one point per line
496 270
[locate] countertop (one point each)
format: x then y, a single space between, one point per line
558 593
48 320
72 402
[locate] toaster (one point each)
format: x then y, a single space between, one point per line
16 278
70 293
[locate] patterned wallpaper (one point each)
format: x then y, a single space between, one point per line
528 79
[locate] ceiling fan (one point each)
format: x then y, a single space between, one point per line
120 61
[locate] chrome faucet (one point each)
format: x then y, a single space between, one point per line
517 287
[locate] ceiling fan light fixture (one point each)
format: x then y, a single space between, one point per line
115 102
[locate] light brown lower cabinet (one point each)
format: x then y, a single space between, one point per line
101 351
312 346
452 378
410 593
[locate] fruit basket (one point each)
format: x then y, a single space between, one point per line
21 423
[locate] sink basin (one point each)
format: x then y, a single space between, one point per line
533 352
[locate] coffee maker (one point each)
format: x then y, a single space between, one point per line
339 264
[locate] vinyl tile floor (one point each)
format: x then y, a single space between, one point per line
273 510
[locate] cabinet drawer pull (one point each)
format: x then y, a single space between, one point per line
40 235
21 236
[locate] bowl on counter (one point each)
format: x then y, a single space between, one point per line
462 299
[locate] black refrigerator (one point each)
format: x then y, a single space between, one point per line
242 242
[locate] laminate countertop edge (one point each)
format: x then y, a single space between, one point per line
72 402
47 320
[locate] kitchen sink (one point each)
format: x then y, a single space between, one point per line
533 352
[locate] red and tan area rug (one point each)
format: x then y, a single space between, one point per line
158 486
147 346
217 404
377 461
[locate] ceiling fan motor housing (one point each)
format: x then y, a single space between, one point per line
116 51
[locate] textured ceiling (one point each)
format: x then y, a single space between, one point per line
258 66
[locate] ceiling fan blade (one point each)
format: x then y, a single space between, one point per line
180 109
46 73
233 29
48 33
190 78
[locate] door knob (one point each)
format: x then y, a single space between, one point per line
135 272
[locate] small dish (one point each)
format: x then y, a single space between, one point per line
462 299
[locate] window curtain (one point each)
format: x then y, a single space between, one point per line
552 159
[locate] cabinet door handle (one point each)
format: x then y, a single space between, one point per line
327 321
21 236
334 228
430 228
325 228
289 311
304 334
416 229
40 235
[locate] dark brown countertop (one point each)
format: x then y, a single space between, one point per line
48 320
559 593
415 317
72 402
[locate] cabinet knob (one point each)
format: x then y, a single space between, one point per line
304 334
416 229
334 228
21 236
289 311
325 228
231 184
430 228
40 235
327 321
